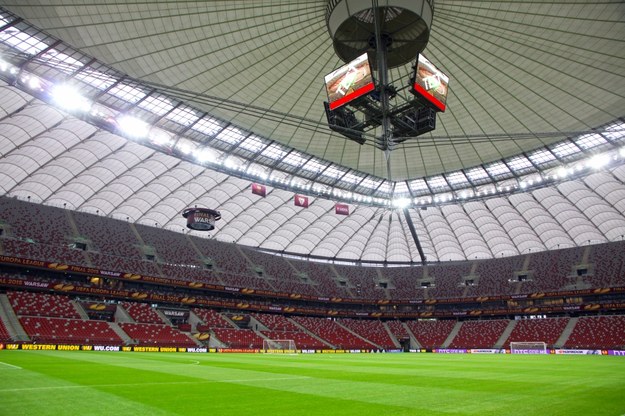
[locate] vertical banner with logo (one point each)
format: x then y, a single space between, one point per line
259 189
300 201
341 209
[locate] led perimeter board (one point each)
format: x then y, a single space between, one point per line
349 82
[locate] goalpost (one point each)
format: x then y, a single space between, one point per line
279 346
535 347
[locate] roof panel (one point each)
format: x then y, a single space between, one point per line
516 85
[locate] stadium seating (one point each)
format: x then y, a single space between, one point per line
551 270
119 249
362 281
182 257
321 276
302 340
494 276
155 334
537 330
68 331
238 338
448 280
608 263
479 334
275 322
211 318
280 327
34 222
43 252
431 334
598 332
108 236
42 304
124 264
226 257
404 282
398 330
373 331
193 273
176 249
333 333
142 312
274 266
4 333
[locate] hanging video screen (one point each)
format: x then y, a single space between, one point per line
349 82
430 83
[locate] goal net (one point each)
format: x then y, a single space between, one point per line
528 348
279 346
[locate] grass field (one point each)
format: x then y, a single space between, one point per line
97 383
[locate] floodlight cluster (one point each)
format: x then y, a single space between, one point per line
79 85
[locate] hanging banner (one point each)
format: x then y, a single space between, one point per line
259 189
300 201
341 209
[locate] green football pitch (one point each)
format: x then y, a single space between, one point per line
99 383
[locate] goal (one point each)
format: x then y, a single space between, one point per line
528 348
279 346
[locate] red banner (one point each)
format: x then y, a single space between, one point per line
300 201
259 189
341 209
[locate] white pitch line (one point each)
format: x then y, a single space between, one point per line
148 384
11 365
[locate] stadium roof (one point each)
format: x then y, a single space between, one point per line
536 90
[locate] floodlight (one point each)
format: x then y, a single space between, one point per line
598 161
133 127
34 83
183 148
401 203
68 98
231 163
204 155
161 138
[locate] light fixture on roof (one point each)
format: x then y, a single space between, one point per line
133 127
4 66
598 161
232 164
161 137
32 82
183 148
68 98
204 155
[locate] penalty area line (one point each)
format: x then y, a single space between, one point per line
11 366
